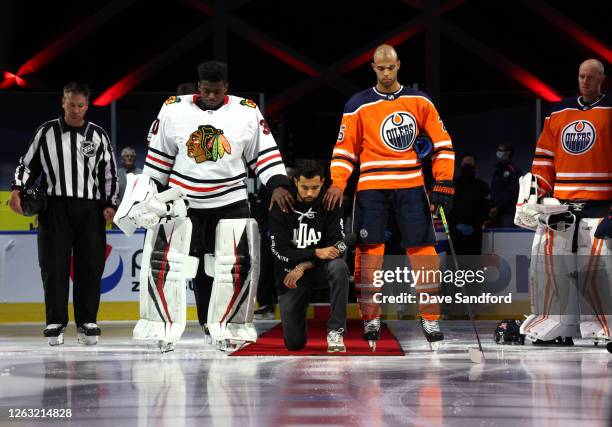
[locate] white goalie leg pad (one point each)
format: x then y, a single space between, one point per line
236 273
552 277
594 279
165 268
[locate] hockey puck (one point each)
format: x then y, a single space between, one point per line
609 347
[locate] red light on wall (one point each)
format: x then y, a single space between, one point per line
11 79
535 85
287 58
119 89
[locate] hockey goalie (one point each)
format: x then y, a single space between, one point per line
199 149
571 261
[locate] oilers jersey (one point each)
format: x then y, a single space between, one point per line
573 156
206 152
377 135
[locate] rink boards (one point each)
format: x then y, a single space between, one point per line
21 293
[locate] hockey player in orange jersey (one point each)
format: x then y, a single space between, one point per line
377 136
571 268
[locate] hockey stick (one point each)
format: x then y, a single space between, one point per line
476 355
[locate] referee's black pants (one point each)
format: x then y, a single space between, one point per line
204 222
71 227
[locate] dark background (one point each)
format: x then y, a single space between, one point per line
159 44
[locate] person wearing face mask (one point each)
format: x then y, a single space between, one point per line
470 208
504 187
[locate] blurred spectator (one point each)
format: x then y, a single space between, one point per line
504 188
128 161
470 209
187 88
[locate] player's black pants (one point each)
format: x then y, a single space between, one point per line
204 223
293 303
71 226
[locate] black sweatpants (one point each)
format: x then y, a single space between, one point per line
293 303
204 223
71 226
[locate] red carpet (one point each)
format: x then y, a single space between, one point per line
271 342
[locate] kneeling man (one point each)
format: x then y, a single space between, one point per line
307 244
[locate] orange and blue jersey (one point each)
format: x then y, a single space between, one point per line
573 156
377 136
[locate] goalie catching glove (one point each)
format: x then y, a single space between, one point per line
531 210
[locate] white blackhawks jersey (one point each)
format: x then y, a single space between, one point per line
206 152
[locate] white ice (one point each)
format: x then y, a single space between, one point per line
122 382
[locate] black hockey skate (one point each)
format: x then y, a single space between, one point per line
433 335
88 333
55 334
557 342
371 331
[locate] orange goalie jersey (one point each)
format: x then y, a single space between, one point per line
573 156
377 136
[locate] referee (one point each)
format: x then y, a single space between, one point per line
75 161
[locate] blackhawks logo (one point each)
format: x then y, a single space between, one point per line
173 99
207 143
248 103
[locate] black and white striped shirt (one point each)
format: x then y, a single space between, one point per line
73 162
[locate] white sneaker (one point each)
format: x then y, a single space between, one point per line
335 341
55 334
88 333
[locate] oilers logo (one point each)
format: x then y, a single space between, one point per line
578 137
398 131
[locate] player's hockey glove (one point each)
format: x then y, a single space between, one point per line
442 194
604 229
423 146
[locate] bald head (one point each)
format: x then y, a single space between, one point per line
590 77
384 52
386 66
592 65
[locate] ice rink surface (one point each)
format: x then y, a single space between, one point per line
120 382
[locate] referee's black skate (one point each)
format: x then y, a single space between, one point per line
88 334
371 331
433 335
55 334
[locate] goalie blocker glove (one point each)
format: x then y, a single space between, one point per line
442 194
